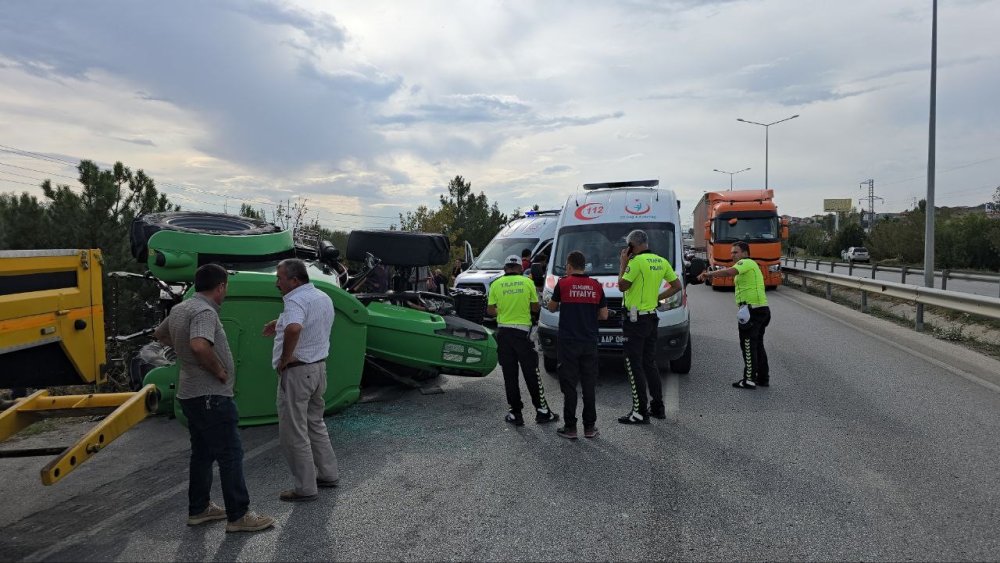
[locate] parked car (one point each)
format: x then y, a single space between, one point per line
855 254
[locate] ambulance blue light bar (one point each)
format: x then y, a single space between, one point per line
618 185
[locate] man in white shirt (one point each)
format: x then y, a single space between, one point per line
301 344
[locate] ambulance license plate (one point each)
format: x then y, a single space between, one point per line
612 339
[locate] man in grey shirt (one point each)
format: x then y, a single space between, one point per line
205 393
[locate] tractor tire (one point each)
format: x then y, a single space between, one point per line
203 222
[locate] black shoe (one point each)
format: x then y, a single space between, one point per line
634 418
567 432
591 432
657 410
763 383
514 418
544 417
745 384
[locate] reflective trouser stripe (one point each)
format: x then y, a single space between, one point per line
747 360
631 381
541 390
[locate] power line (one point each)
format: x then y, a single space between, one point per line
17 182
922 176
23 152
259 201
39 171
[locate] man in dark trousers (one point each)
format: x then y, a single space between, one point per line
205 393
753 315
581 304
640 281
512 300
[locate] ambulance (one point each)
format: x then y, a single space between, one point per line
596 222
533 232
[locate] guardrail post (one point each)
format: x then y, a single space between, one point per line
818 262
874 267
903 274
944 278
864 301
832 266
829 291
850 268
919 318
795 262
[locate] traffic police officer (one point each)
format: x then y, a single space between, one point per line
512 300
641 277
753 315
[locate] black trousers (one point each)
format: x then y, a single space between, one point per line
752 345
515 349
215 437
640 362
578 365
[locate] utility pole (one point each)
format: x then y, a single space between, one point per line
931 134
871 202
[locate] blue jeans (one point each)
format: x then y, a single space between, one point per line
215 438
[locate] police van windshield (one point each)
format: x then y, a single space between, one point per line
602 244
500 248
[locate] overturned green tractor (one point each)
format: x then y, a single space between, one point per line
380 332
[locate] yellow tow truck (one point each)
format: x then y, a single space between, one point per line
52 335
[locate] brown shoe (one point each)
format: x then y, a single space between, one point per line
327 484
211 512
291 496
251 522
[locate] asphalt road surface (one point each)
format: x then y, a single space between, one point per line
861 270
874 442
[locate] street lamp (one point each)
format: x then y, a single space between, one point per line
731 174
766 127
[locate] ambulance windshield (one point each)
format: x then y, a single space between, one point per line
602 244
500 248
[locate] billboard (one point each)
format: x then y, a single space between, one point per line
837 205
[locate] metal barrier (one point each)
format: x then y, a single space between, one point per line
904 271
954 300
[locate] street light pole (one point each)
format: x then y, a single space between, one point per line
731 174
767 128
929 208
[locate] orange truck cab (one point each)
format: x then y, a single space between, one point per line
722 218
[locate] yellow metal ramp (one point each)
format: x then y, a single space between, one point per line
122 410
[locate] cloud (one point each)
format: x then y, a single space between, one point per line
264 103
142 142
557 169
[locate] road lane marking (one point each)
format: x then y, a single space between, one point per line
956 371
69 541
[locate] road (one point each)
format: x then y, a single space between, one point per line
989 289
874 442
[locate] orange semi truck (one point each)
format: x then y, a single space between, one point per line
722 218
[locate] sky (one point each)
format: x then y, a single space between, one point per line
364 110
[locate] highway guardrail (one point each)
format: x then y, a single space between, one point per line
904 271
919 295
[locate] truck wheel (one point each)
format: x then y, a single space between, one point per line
551 365
683 364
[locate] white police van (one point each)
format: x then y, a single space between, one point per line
596 222
533 232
